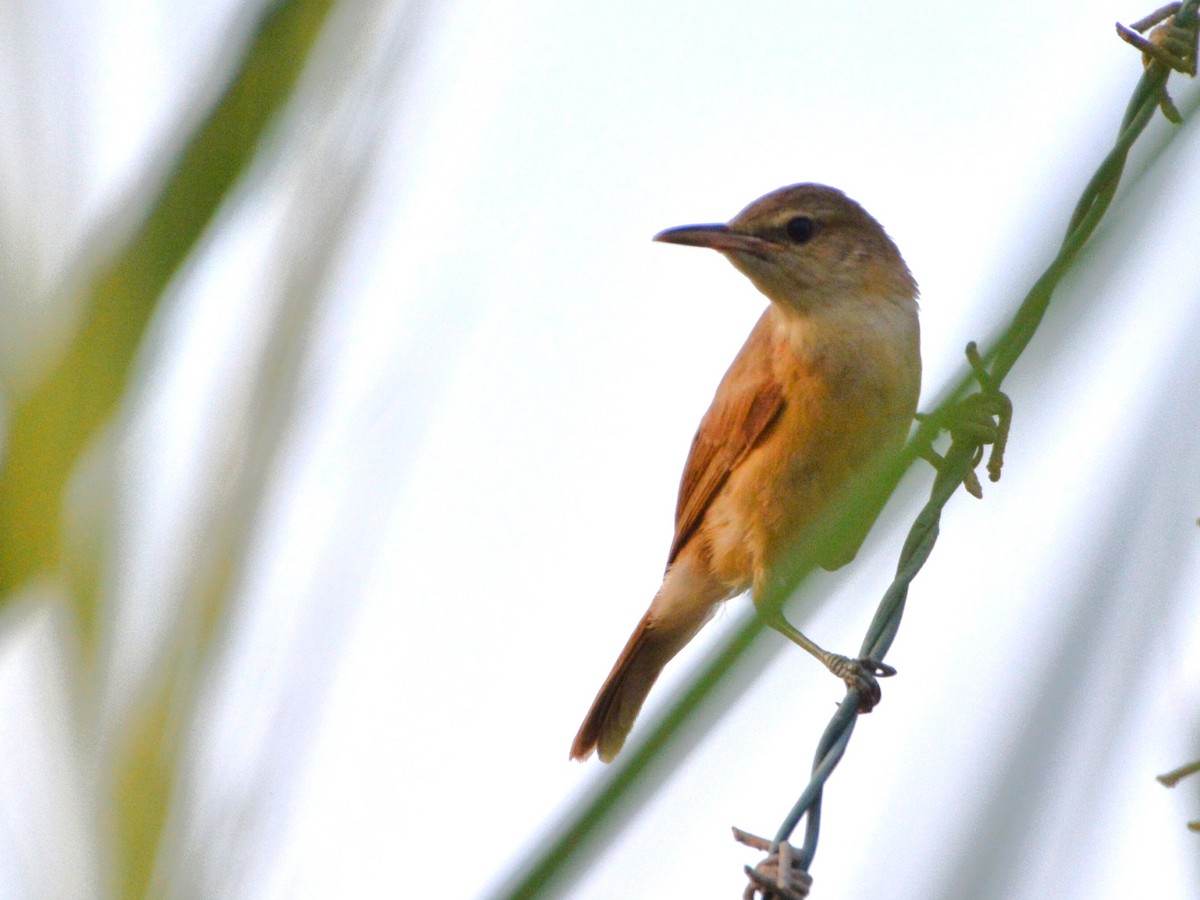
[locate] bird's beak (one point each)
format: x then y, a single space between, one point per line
717 237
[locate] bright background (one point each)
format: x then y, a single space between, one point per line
430 385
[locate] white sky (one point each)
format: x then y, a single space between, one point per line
475 508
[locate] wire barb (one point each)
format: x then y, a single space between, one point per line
978 420
998 408
780 875
1169 43
1172 778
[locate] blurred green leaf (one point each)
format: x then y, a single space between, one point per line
50 427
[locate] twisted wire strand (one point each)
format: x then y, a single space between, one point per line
552 859
963 454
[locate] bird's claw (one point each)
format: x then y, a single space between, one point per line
861 676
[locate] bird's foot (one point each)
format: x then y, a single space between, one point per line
780 876
860 675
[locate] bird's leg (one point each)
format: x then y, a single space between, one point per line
860 675
979 419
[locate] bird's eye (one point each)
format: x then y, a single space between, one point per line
800 229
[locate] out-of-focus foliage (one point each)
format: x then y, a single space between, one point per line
50 424
48 427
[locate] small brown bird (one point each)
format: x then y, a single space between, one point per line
826 382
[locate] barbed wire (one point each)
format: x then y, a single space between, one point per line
1170 46
783 874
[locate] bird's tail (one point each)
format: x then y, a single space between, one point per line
686 600
620 699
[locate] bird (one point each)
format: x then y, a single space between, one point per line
826 384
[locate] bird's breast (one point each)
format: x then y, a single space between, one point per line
845 402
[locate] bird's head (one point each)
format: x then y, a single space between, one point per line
807 246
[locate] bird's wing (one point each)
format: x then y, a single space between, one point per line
747 403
